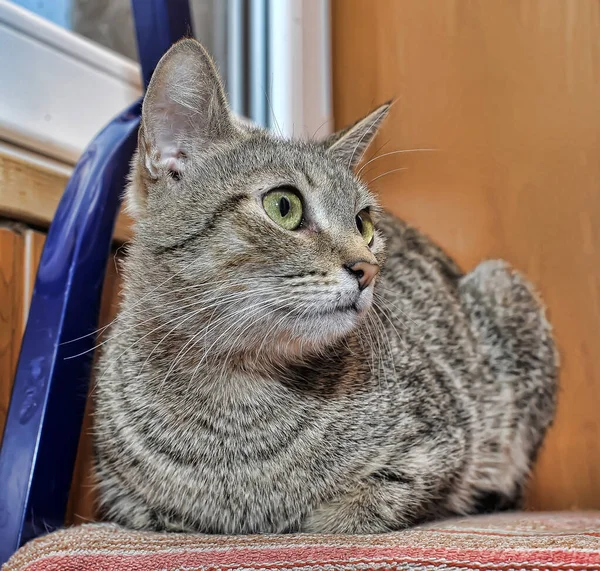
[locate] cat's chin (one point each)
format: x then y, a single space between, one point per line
314 331
327 324
292 334
312 334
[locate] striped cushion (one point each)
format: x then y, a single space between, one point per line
521 541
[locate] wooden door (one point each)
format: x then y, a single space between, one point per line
508 93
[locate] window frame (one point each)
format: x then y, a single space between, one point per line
57 89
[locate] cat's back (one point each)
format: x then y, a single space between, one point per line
409 251
417 294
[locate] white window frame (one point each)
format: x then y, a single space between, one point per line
300 68
57 89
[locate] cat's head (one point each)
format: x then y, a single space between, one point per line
272 242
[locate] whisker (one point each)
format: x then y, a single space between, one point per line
389 345
390 321
191 343
247 315
380 375
320 127
204 330
126 311
395 306
386 173
393 153
146 335
273 113
139 301
241 332
178 308
367 132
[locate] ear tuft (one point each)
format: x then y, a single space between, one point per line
349 145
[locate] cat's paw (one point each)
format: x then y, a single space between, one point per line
372 506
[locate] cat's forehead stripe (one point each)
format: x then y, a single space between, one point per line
309 180
222 208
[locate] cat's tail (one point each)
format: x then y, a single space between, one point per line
518 392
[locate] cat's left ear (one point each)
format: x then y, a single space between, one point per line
185 113
349 145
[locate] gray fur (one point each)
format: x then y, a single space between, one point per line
235 397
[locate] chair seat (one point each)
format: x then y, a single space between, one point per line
517 541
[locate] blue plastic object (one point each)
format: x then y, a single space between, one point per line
49 393
158 24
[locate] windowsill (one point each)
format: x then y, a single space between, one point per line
31 187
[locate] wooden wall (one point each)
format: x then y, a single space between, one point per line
508 92
20 250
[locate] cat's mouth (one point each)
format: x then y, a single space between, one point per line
344 308
352 307
325 312
348 304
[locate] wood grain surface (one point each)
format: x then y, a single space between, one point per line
20 250
30 193
12 311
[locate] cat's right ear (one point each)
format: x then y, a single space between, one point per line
185 112
349 145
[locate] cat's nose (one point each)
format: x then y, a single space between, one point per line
364 272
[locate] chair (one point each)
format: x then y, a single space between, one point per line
49 392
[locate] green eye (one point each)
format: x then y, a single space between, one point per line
365 226
284 207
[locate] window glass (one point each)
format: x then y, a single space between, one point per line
110 24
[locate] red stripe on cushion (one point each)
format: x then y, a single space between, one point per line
281 557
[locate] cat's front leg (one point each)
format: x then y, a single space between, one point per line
376 505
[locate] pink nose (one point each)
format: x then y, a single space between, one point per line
363 272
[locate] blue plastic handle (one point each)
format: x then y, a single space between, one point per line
159 24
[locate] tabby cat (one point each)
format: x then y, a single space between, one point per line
288 356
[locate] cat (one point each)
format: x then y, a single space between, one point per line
289 357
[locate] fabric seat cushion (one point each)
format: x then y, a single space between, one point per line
514 541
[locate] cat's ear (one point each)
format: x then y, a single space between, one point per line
185 111
349 145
